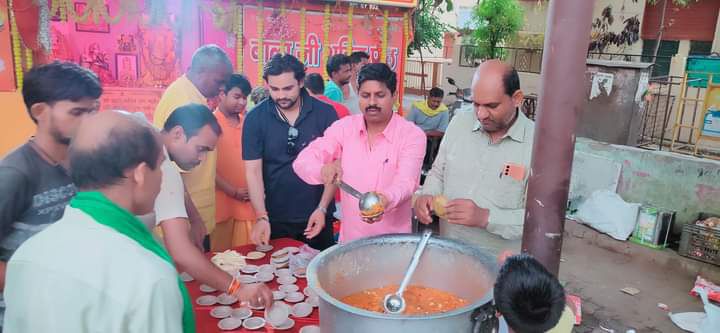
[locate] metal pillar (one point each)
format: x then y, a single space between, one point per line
562 94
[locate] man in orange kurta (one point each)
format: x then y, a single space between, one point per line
234 212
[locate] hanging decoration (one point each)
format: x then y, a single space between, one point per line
97 9
326 40
17 48
261 43
349 47
239 38
93 11
303 33
70 12
44 28
383 50
57 7
63 10
283 11
222 18
403 56
28 58
406 36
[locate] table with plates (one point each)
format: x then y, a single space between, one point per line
208 324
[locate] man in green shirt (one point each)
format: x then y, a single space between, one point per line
339 68
483 165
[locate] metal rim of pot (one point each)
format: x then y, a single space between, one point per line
483 311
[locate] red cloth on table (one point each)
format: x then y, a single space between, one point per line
207 324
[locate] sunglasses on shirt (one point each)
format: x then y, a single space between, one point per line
292 148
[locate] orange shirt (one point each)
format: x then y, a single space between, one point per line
231 168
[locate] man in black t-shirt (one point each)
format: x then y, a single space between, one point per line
273 134
34 184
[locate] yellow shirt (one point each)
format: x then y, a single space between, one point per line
200 181
566 323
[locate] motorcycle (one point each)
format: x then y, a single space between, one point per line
462 98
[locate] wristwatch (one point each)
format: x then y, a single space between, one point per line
322 209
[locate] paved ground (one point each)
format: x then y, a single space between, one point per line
597 274
596 267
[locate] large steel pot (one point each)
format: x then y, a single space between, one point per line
375 262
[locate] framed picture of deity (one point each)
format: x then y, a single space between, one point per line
89 25
127 69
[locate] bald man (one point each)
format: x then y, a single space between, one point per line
483 165
98 269
209 70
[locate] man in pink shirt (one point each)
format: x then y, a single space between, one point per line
377 151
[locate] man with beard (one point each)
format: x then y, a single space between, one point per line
34 182
339 68
483 165
377 151
210 69
273 134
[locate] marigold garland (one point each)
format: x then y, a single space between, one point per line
239 38
28 58
63 10
406 38
282 37
383 50
17 48
326 40
303 33
349 47
261 42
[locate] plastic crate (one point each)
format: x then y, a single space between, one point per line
700 243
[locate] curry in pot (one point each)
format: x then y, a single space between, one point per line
419 300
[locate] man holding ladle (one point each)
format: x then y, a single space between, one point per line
375 152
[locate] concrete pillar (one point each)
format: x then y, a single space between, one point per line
677 63
562 94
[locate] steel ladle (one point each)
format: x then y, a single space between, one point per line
395 303
367 201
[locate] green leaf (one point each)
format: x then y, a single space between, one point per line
495 22
429 29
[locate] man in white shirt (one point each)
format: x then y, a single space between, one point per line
98 269
190 132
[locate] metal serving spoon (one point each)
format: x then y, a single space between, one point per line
395 303
367 201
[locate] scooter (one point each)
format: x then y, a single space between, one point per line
462 98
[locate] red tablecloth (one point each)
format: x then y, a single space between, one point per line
208 324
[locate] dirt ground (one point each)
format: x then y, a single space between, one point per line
597 274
